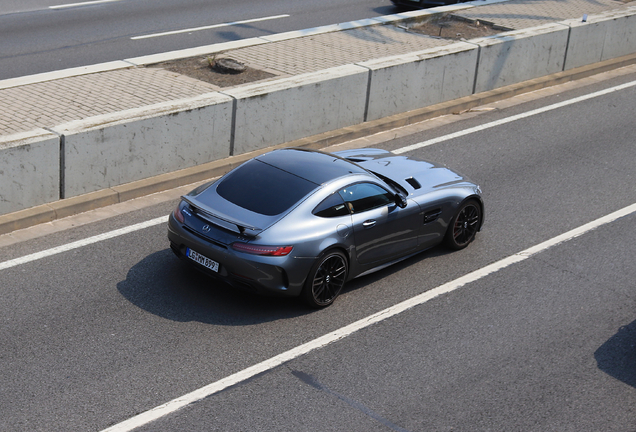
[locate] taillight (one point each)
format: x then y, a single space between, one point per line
178 215
262 250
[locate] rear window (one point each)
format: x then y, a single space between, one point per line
263 189
332 206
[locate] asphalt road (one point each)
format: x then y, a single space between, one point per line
93 336
40 36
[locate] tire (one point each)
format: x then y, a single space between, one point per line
325 280
229 66
464 225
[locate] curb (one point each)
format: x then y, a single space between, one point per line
72 206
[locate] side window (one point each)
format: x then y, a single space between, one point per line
331 206
361 197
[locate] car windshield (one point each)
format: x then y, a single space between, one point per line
263 189
395 185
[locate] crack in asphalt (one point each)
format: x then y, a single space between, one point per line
312 381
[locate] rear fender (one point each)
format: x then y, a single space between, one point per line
347 250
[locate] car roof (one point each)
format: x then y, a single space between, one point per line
314 166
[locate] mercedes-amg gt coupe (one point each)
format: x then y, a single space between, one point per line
301 222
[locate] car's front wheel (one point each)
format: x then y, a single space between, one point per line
325 280
464 225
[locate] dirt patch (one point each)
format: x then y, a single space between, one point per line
455 28
200 68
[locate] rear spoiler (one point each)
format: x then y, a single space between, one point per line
207 214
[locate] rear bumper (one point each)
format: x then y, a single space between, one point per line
283 276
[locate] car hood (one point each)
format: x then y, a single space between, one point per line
414 175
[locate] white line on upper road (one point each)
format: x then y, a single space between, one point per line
512 118
209 27
241 376
88 3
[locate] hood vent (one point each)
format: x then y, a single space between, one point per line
413 182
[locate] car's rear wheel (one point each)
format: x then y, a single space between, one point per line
325 280
464 225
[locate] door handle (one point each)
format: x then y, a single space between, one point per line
368 223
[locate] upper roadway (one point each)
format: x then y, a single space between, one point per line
41 36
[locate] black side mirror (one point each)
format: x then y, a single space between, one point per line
400 200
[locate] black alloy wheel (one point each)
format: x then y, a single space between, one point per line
326 280
464 226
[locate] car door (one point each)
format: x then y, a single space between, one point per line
382 230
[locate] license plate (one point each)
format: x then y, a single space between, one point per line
203 260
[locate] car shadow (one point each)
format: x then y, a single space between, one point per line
167 287
617 356
389 9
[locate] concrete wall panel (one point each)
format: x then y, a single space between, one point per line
620 39
602 37
407 82
521 55
29 170
291 108
111 150
586 43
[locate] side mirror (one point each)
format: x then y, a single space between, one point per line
400 200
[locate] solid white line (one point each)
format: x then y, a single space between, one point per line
81 243
512 118
88 3
209 27
197 395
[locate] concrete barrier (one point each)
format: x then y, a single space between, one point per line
114 149
29 170
517 56
279 111
407 82
602 37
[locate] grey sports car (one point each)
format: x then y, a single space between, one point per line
301 223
